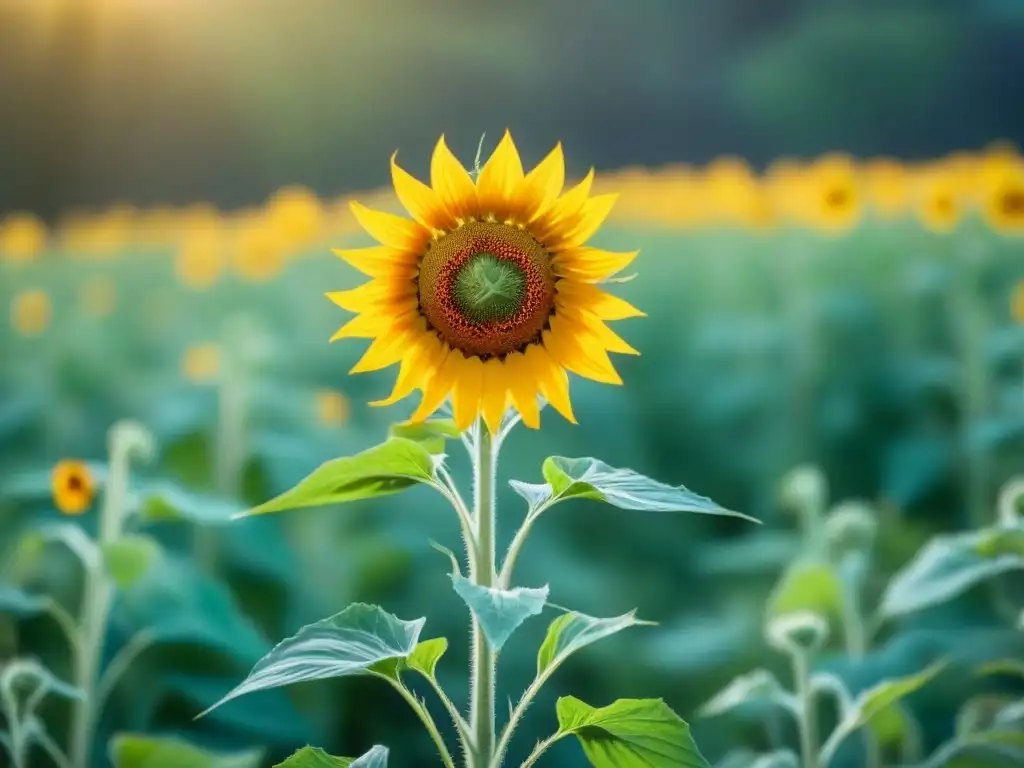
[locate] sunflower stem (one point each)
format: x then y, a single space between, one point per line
98 594
484 660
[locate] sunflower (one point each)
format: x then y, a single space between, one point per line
941 206
833 202
73 487
1017 303
31 312
22 237
488 294
1003 200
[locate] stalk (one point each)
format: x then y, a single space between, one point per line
484 660
808 717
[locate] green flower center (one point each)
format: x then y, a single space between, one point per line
489 289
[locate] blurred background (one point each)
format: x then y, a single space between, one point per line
829 204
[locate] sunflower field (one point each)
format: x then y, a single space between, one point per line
823 360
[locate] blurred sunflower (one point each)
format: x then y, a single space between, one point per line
1003 200
31 311
73 487
1017 302
331 407
832 199
201 363
297 214
939 203
489 294
22 237
200 259
888 187
259 250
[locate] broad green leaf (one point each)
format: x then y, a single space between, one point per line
314 757
500 611
432 434
891 725
780 758
166 501
589 478
137 751
988 749
630 733
130 558
981 713
385 469
19 603
946 567
807 586
572 631
757 686
878 698
349 643
425 656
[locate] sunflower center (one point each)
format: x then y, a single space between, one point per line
1013 202
487 289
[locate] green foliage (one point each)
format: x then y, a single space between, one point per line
313 757
571 632
130 558
351 642
136 751
432 433
630 733
500 611
388 468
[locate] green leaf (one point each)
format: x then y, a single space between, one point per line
593 479
136 751
630 733
989 749
314 757
169 502
947 566
432 434
808 585
349 643
1008 667
758 685
388 468
20 604
572 631
425 656
500 611
130 558
872 701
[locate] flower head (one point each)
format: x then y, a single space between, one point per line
73 487
201 363
31 311
22 237
488 294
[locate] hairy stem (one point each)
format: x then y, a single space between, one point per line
484 660
97 598
540 749
808 717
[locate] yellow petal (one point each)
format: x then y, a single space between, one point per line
417 367
422 203
594 300
591 264
499 178
553 381
386 228
439 385
385 350
452 183
379 261
592 216
563 214
468 387
544 183
580 353
587 323
494 395
376 293
366 326
522 389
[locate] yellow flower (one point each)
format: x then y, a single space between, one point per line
1017 302
201 363
99 296
1003 199
200 260
832 196
259 250
332 407
488 294
31 312
940 206
22 237
297 215
888 187
73 487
